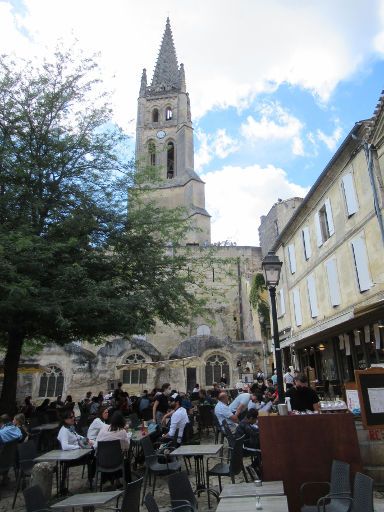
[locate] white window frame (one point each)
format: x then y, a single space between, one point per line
333 282
281 302
349 193
312 295
292 258
306 242
297 307
360 257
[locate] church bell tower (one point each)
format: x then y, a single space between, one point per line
164 138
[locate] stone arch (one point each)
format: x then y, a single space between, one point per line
217 364
170 148
51 382
155 115
168 113
134 375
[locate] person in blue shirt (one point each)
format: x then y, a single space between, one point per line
8 431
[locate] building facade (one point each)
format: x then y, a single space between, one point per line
223 341
330 298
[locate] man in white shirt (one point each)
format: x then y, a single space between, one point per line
224 412
179 419
240 403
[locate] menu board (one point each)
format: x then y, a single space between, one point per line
370 385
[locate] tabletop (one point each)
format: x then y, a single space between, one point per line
90 499
46 426
247 490
63 455
268 503
198 449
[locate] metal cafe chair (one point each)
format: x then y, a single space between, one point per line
180 490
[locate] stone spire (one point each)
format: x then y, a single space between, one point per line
166 74
143 85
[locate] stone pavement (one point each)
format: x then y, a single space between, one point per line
79 485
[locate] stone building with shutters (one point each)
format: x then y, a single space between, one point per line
330 298
224 341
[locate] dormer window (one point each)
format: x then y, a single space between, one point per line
155 115
168 114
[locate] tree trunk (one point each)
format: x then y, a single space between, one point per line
11 364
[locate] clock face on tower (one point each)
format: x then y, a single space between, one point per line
161 134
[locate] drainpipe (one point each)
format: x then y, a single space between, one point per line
241 326
368 150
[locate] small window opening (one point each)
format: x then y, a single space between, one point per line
324 223
155 115
152 153
170 160
168 114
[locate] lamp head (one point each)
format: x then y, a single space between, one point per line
271 266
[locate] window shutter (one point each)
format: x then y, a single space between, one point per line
282 302
333 282
297 307
361 264
292 258
349 194
328 209
307 243
311 284
319 236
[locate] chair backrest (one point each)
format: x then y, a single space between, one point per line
180 488
34 499
147 445
8 456
228 434
362 493
109 454
205 416
131 498
27 452
236 457
150 503
340 477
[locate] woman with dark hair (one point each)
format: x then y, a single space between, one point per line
28 408
98 423
116 430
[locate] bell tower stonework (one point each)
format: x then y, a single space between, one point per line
164 139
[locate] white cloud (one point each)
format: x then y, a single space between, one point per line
275 123
218 144
238 196
313 45
330 140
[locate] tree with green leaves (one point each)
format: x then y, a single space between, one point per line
82 252
257 298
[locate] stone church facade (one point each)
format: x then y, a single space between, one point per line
228 338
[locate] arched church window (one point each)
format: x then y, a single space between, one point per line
136 374
51 382
168 114
152 152
155 115
215 367
170 160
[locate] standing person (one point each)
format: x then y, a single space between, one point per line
28 408
240 404
223 380
260 375
215 392
274 378
288 378
302 397
179 419
224 412
160 404
144 406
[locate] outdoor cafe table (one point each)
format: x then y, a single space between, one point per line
198 451
248 504
91 499
248 490
61 457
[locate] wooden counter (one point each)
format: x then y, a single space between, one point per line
299 449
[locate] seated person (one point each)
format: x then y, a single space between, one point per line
240 404
8 431
179 419
94 406
98 423
19 422
224 412
116 430
249 429
204 398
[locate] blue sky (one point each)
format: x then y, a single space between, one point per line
275 85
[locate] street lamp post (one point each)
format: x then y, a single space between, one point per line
272 267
